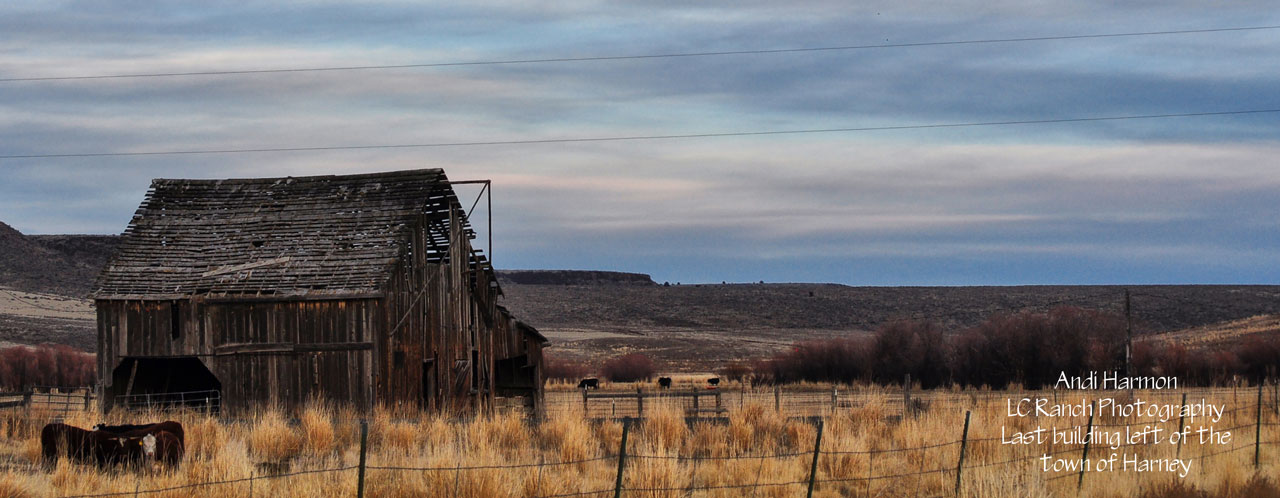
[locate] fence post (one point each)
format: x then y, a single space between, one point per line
1257 430
640 401
777 398
871 465
964 441
364 448
86 400
717 402
1093 407
251 476
622 457
696 410
906 397
1181 419
835 398
813 467
26 399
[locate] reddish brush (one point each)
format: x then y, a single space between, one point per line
48 365
628 368
559 368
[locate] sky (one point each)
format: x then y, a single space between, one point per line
1149 201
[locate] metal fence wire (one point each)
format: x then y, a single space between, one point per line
952 450
859 465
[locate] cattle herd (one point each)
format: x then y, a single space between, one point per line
663 383
148 446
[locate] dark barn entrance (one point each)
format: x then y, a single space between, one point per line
165 383
515 376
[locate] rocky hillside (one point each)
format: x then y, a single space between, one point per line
53 264
839 307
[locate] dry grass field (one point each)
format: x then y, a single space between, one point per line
866 450
34 318
1224 335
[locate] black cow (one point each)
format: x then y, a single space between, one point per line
592 383
65 440
113 450
81 446
715 381
664 382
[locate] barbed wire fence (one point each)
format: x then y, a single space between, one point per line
816 401
955 451
959 451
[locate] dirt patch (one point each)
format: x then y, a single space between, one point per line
35 305
79 334
683 350
1226 335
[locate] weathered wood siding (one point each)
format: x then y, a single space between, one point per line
440 319
262 352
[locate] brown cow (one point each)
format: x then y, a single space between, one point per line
162 448
140 430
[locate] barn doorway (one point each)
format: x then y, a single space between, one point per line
515 383
427 402
165 383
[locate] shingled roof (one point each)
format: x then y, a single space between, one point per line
289 237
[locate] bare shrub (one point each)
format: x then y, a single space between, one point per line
22 367
1258 358
628 368
561 368
913 347
737 371
829 360
1031 349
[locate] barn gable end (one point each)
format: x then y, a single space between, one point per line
360 289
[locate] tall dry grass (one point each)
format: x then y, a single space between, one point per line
755 452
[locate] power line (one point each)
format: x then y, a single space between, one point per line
641 56
637 137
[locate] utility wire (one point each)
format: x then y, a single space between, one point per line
638 137
642 56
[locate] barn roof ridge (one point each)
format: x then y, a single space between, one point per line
353 176
288 237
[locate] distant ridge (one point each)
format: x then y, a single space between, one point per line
55 264
572 277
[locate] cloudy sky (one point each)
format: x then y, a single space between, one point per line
1175 200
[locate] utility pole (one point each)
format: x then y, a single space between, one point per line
1128 336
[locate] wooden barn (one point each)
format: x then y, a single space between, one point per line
361 289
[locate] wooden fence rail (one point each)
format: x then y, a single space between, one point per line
64 402
697 408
